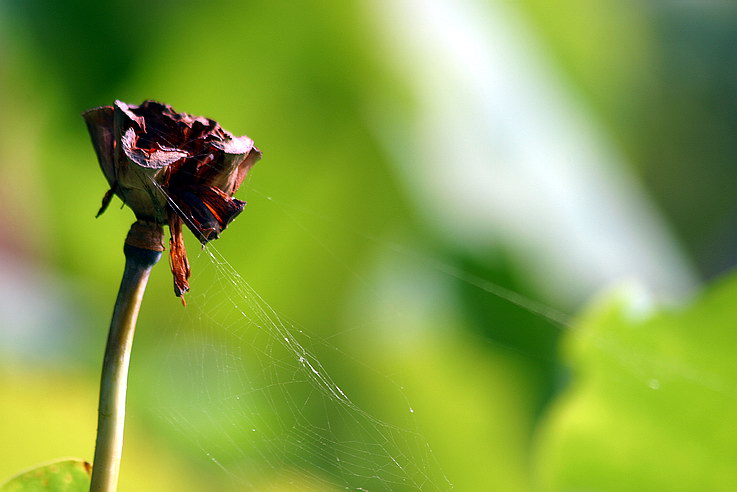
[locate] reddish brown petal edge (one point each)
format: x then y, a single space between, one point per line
178 261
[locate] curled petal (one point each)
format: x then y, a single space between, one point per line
231 168
240 174
156 158
228 153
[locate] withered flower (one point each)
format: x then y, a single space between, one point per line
171 168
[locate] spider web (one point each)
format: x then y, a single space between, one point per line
254 395
258 400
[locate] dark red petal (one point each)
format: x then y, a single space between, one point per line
207 211
127 111
178 256
100 125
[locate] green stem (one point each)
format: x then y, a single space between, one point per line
111 413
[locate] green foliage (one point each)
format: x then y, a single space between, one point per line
651 405
60 476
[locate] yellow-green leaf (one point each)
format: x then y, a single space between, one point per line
652 404
68 475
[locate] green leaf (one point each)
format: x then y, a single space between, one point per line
69 475
652 402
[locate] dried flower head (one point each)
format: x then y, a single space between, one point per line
171 168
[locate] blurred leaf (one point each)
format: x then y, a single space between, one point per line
652 403
59 476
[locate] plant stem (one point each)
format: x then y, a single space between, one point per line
111 412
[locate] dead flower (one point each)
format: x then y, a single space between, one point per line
171 168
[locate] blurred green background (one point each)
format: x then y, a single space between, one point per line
445 184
